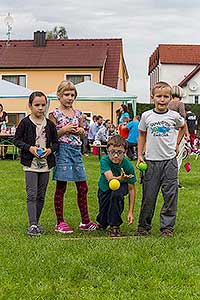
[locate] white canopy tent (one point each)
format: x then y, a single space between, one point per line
92 91
14 97
11 90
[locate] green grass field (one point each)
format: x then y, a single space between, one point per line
48 267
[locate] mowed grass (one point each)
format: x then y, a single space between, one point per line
95 266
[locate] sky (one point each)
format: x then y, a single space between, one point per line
142 25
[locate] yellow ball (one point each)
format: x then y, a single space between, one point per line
114 184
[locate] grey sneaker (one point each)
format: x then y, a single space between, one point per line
33 230
41 229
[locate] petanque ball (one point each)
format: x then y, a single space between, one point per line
142 166
40 152
114 184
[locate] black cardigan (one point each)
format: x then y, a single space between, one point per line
25 138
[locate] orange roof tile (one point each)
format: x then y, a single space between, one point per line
174 54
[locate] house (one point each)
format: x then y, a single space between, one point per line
41 64
177 65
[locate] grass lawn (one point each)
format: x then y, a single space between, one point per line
48 267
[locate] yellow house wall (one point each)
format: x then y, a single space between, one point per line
14 105
47 80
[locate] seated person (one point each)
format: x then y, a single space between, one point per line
103 133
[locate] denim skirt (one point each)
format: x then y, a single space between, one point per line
69 164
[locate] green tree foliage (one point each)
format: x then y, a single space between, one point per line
58 33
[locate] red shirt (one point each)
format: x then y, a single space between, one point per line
123 132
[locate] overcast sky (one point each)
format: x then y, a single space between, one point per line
142 24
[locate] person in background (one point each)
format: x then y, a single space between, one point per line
191 120
36 133
177 105
3 115
94 118
3 118
69 163
123 113
123 130
118 114
103 133
132 139
94 128
112 130
84 137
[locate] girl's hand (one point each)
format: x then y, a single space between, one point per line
47 151
33 150
70 128
80 130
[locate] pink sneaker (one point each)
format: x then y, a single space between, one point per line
89 226
63 228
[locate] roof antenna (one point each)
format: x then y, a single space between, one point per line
8 21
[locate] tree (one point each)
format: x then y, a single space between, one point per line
58 33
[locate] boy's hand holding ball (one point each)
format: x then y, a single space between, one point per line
142 166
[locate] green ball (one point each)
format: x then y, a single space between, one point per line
143 166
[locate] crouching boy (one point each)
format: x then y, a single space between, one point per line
111 202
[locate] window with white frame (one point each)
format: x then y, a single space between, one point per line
77 78
16 79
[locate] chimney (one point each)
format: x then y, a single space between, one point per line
39 39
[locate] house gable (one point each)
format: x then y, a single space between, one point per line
189 76
178 65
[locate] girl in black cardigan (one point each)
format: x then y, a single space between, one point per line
36 137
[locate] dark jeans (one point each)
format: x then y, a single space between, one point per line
111 206
164 175
36 185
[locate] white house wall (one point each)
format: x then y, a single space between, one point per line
174 74
192 95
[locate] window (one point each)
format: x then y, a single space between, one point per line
78 78
16 79
15 118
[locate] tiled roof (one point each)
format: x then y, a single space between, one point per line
69 53
174 54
